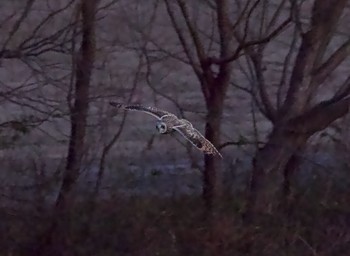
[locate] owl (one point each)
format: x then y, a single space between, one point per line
168 123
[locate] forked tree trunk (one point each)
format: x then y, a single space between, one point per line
269 166
295 120
271 161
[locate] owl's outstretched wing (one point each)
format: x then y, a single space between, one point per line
158 113
197 139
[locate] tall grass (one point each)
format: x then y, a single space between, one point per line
315 225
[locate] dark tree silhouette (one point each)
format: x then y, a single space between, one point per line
214 72
297 118
55 241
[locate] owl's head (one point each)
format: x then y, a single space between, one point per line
162 127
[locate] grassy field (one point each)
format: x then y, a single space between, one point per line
315 225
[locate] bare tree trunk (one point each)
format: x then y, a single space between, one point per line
56 238
211 176
271 161
269 165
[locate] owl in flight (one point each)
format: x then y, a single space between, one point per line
168 123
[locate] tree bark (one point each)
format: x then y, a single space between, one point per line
284 142
56 240
268 167
211 176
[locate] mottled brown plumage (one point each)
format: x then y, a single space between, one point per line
168 122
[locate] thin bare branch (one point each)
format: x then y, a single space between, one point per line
343 91
262 25
256 59
72 78
276 14
247 20
286 65
319 117
18 23
44 22
332 62
243 13
154 89
295 12
182 39
239 143
107 148
211 36
244 45
251 92
193 32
